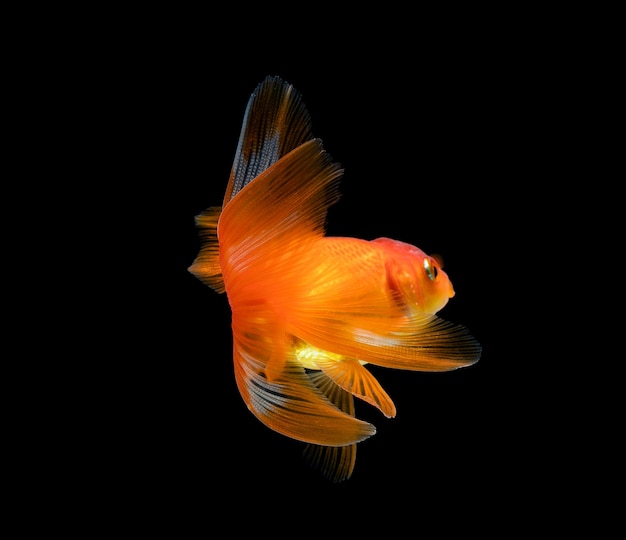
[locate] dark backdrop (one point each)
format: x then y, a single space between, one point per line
434 141
427 160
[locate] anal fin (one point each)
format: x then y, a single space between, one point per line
336 463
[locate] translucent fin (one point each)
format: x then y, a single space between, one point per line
206 267
340 398
275 122
293 405
335 462
428 344
353 377
421 343
273 218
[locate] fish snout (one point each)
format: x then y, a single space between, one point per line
451 292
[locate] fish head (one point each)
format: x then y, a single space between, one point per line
416 279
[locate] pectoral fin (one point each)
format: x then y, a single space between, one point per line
417 343
428 343
206 267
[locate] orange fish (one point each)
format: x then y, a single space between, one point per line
310 311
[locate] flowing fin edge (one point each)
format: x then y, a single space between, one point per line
335 463
293 405
424 343
206 267
353 377
275 122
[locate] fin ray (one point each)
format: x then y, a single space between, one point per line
353 377
334 462
417 343
275 122
278 213
206 266
293 406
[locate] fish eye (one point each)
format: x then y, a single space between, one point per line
431 269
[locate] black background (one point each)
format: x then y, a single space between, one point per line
441 135
425 154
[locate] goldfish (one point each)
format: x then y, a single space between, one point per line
309 311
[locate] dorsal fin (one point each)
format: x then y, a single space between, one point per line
275 122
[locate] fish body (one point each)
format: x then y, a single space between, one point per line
310 311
